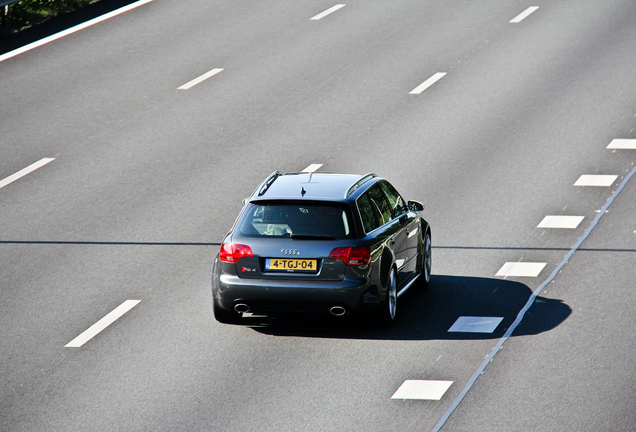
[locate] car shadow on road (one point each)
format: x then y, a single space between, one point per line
429 314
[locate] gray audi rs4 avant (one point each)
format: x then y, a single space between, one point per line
322 243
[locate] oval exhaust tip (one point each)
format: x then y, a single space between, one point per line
241 308
337 311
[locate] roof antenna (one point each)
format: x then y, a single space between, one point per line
302 192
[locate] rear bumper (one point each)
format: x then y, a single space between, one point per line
280 296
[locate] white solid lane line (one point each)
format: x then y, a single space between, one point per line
102 324
72 30
200 79
523 15
426 84
25 171
329 11
312 168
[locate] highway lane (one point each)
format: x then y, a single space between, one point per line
581 375
133 204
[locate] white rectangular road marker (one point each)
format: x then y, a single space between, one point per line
102 324
426 84
25 171
566 222
71 30
522 269
422 389
597 180
523 15
312 168
200 79
471 324
329 11
623 144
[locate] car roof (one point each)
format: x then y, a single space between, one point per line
310 186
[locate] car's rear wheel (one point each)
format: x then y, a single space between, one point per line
388 309
225 316
426 260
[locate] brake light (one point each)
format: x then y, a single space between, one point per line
341 253
352 255
360 256
232 252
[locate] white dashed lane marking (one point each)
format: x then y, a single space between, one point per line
523 15
565 222
329 11
472 324
312 168
521 269
200 79
426 84
25 171
623 144
596 180
100 325
422 389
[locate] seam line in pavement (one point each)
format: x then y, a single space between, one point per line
523 311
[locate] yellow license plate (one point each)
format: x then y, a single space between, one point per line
288 264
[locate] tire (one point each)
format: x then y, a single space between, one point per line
426 260
225 316
388 308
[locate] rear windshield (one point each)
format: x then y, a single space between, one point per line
296 220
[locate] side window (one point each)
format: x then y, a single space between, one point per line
370 214
398 206
380 201
379 205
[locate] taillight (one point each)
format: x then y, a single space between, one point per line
341 253
360 256
232 252
352 256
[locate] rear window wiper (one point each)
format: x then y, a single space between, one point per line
311 237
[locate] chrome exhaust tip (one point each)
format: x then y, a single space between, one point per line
337 311
241 308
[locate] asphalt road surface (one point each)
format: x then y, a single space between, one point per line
128 143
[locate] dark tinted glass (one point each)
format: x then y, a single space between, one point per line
370 213
296 219
398 206
380 201
375 208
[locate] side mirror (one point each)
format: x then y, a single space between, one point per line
416 206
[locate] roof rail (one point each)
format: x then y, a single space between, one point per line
359 183
267 183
